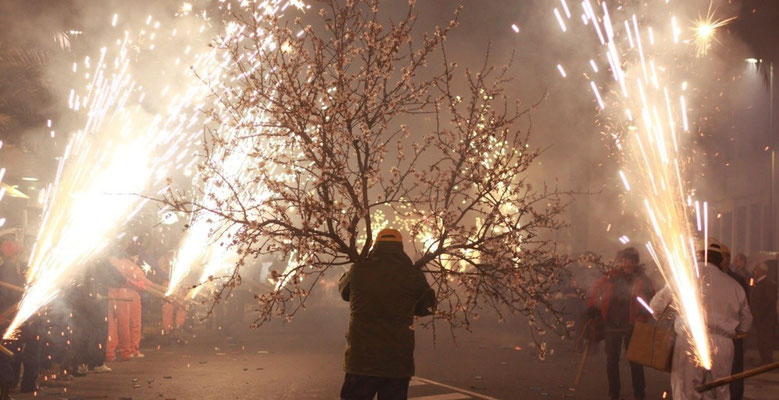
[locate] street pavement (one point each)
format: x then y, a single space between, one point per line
761 387
303 360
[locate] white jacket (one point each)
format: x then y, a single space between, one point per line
727 313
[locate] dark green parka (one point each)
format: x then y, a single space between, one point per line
384 294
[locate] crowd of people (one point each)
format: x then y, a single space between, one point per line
96 320
738 302
98 316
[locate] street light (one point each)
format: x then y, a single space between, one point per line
772 142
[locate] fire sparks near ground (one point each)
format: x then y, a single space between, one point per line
81 215
229 162
118 155
231 165
647 111
122 153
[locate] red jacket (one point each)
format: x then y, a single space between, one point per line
600 296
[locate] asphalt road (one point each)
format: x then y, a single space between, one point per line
302 360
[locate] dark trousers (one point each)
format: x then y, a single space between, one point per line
613 345
27 357
737 387
765 341
361 387
80 340
5 371
97 333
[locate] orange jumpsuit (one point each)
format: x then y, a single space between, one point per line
118 325
173 316
135 322
136 279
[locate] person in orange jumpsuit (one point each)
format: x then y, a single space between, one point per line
118 325
127 316
173 315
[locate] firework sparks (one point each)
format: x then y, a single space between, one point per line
206 228
562 70
559 19
119 153
624 180
645 305
79 217
650 144
705 29
230 162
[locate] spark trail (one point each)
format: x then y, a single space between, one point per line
643 96
200 251
120 153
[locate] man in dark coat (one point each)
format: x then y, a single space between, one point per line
385 292
614 298
762 301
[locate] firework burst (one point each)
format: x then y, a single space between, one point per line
228 179
120 153
646 107
705 30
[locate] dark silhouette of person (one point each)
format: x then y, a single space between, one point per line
384 292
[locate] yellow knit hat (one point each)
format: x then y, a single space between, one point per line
389 235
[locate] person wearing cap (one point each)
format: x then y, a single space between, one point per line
385 291
614 299
736 387
763 303
727 314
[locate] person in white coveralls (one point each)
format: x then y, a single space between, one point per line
727 314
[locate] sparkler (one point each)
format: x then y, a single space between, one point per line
80 215
230 161
119 153
650 137
205 227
